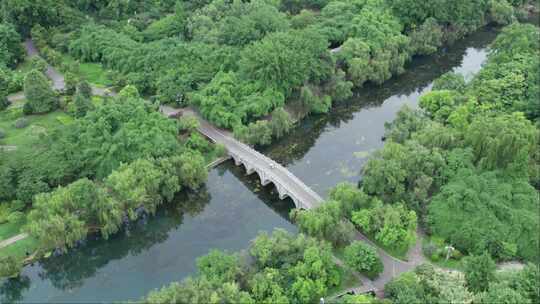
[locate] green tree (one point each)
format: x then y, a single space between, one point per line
427 38
450 81
39 95
9 267
4 102
439 104
501 294
11 51
478 212
82 105
139 184
324 222
503 142
218 267
280 123
479 272
286 60
392 225
266 287
59 219
363 258
84 89
350 198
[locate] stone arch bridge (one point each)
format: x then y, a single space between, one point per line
268 170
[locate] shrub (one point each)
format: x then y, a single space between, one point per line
21 123
363 258
40 96
2 133
4 102
15 217
9 267
38 64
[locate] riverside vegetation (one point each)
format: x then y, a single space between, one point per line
464 167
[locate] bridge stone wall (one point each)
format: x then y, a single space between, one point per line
266 179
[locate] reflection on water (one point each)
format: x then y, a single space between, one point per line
226 214
232 208
327 149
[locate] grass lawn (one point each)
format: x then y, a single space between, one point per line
400 253
450 264
8 230
440 260
20 248
92 72
38 124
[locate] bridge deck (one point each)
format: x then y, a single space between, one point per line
268 170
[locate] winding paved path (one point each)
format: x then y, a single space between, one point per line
13 239
56 77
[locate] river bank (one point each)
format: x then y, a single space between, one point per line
234 207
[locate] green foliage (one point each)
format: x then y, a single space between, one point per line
198 291
501 294
407 122
257 133
82 105
306 264
439 105
357 299
392 225
61 218
477 212
85 90
21 123
141 183
376 49
501 12
280 123
236 22
286 60
9 267
58 219
218 267
39 94
503 142
325 222
285 268
227 101
510 81
408 172
39 64
427 284
188 124
11 51
261 132
117 132
363 258
350 198
479 272
25 14
170 25
450 81
427 38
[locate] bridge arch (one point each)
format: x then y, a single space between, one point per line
265 180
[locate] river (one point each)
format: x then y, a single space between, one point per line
232 208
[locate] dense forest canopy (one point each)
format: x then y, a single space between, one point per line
464 167
276 53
